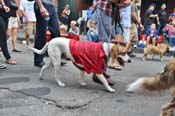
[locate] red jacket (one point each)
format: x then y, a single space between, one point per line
88 54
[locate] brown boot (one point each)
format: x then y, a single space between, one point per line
95 79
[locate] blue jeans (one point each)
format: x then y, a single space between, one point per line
3 38
172 41
92 37
41 26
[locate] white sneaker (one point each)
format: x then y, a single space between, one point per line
135 45
171 48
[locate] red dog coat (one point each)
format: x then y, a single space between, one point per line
88 54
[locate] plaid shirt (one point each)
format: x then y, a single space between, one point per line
104 6
88 56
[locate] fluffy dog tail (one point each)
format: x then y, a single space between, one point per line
161 81
42 51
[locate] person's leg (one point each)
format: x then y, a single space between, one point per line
133 37
4 39
27 35
148 40
14 34
171 42
89 37
154 40
53 22
2 66
14 39
40 38
9 32
3 43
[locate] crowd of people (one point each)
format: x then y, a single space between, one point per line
105 20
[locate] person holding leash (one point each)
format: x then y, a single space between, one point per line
46 18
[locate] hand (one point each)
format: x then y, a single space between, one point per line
6 8
44 12
141 27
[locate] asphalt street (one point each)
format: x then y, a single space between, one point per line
23 94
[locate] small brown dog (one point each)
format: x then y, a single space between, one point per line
155 50
161 81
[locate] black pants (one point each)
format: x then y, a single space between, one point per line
3 37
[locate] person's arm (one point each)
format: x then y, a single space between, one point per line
6 8
43 10
153 15
68 12
137 20
22 9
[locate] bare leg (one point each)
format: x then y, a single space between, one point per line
128 46
27 39
105 83
14 37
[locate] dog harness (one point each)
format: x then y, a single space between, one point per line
88 56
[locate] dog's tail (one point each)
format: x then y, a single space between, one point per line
42 51
160 82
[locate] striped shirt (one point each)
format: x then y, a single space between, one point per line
48 2
104 5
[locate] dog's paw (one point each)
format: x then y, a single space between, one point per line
143 59
83 84
111 90
61 84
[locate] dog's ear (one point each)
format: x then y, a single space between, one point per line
121 61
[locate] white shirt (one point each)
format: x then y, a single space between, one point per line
28 8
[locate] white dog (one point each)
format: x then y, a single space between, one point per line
57 46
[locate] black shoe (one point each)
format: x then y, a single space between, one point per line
15 50
39 64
